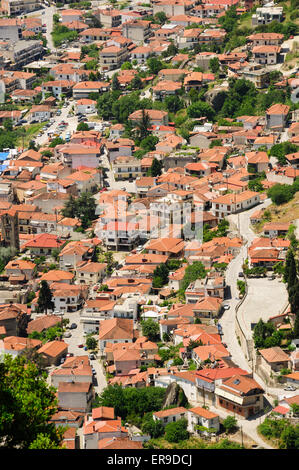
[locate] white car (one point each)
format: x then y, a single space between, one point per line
226 307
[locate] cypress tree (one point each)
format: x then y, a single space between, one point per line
290 272
45 298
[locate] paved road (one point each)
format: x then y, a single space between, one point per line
227 320
254 304
46 16
72 125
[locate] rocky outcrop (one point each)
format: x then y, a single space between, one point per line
175 395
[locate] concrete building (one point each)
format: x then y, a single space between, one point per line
10 29
18 7
265 15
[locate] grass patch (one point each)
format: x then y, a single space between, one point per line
31 132
194 443
283 213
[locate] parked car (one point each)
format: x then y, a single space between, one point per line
67 334
73 326
91 356
290 388
241 274
226 307
69 355
93 371
80 345
62 360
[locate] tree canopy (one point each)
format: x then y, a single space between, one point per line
27 404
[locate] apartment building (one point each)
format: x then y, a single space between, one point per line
139 31
267 14
109 18
111 57
276 116
82 90
18 7
265 39
10 29
21 53
266 55
58 88
127 168
172 7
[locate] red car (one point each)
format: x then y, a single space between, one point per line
103 189
80 345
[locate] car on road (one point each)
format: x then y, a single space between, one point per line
73 326
93 371
123 189
91 356
62 360
80 345
290 388
103 189
68 334
70 355
241 274
226 307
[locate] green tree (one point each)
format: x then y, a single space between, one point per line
290 270
126 66
27 404
84 208
194 271
149 143
156 167
136 83
56 141
82 126
201 109
150 426
45 301
91 343
161 17
214 64
261 332
143 126
8 125
229 424
177 431
160 276
154 65
150 329
280 193
115 85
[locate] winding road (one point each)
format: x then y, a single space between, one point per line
257 303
